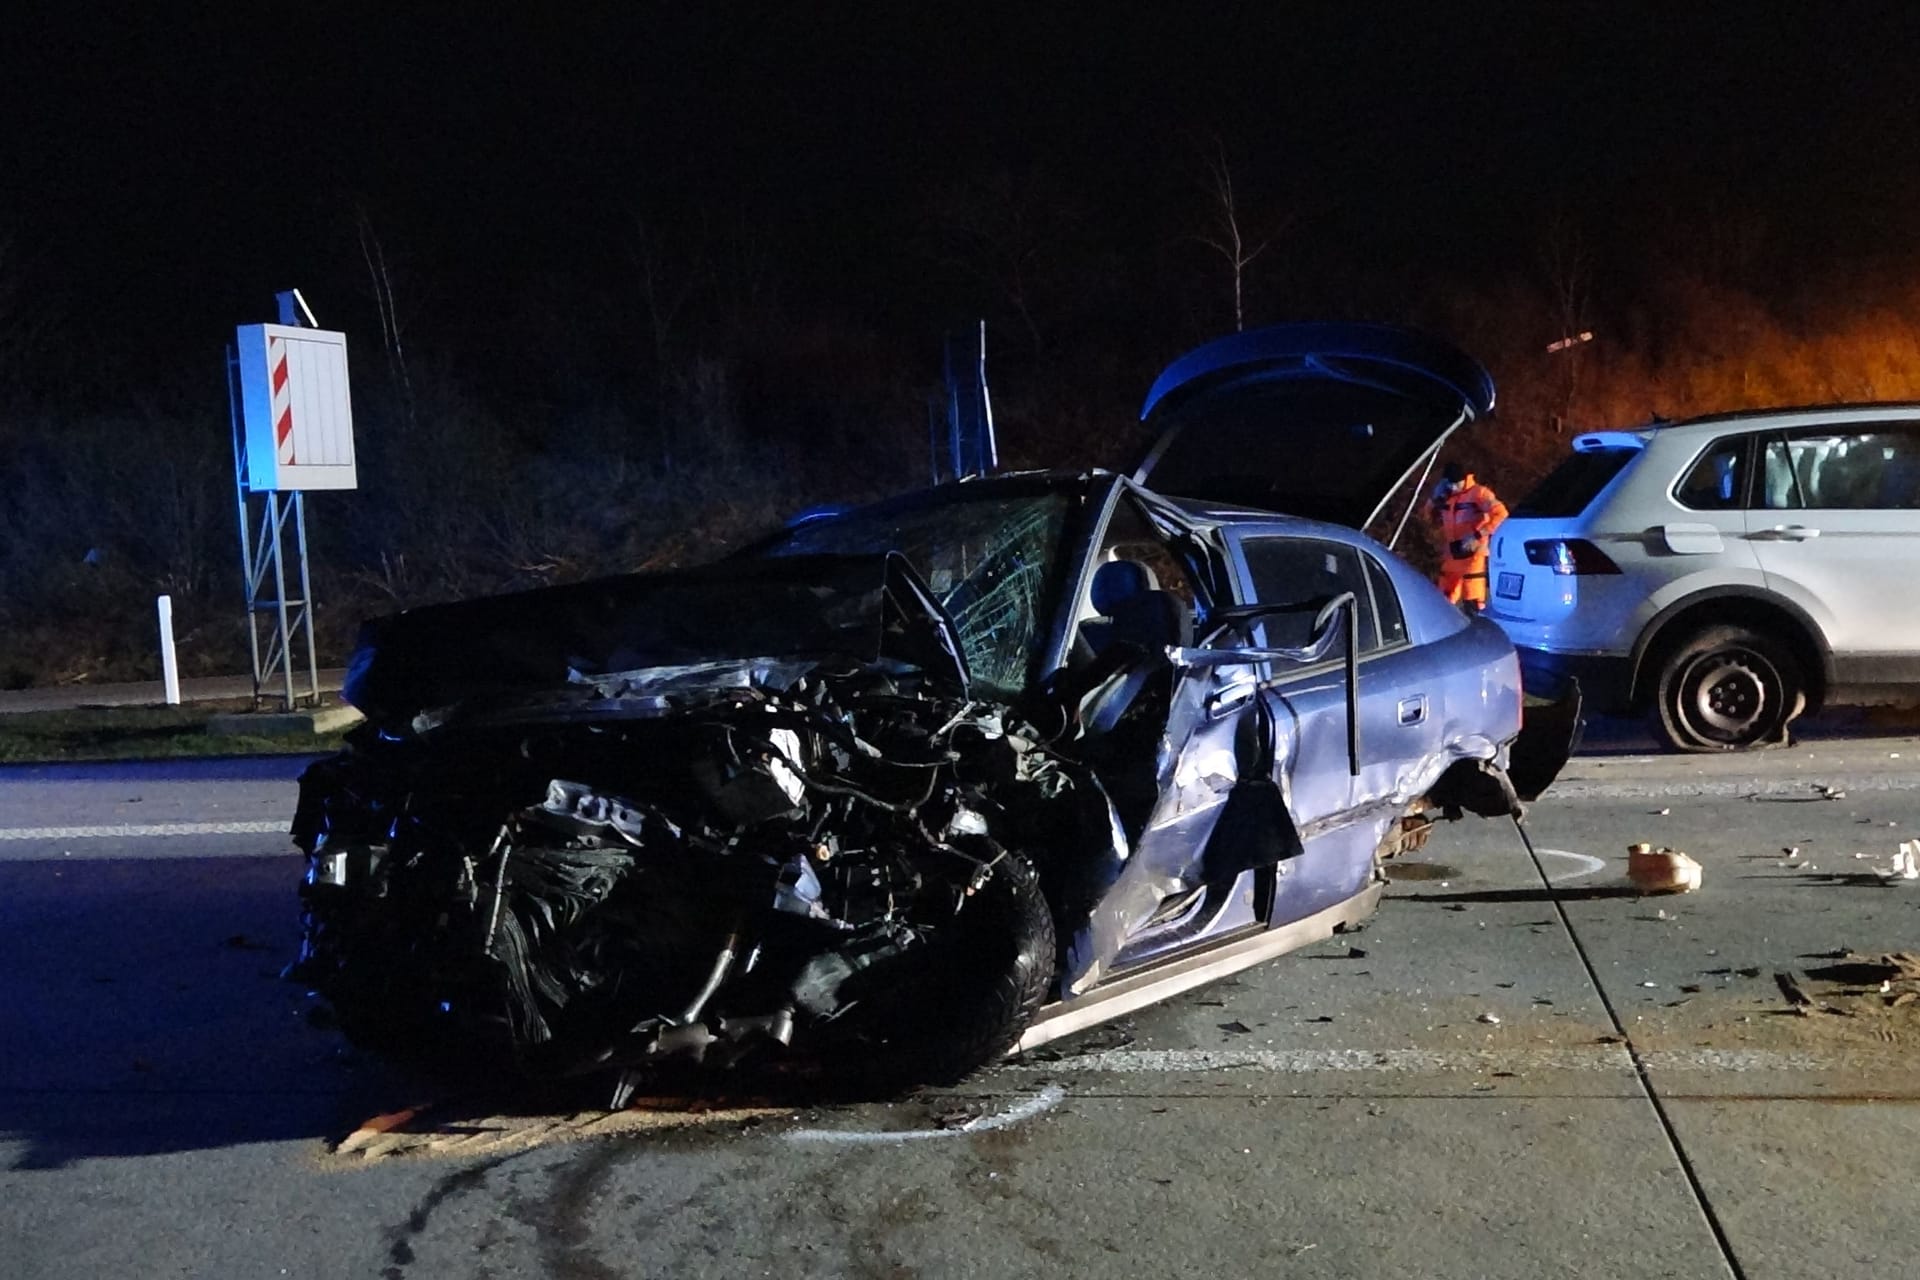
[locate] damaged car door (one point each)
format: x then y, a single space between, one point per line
1383 727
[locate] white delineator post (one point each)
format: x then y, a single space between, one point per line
169 662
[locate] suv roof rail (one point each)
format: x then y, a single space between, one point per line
1787 410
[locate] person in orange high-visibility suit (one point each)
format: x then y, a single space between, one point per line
1466 513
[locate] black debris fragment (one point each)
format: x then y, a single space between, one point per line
1790 987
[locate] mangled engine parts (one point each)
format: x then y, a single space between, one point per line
692 888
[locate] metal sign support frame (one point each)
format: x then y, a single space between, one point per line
263 559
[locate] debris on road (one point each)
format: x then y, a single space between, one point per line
373 1128
1661 870
1856 986
1905 865
1491 1019
1795 994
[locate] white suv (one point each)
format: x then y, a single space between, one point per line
1726 572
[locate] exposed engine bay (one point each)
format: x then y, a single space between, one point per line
692 873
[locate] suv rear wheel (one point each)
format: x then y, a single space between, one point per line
1725 688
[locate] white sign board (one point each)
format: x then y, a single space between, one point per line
294 402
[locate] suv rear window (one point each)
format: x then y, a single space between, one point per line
1577 481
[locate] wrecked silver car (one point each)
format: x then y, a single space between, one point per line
905 788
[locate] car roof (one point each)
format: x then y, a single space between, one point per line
1024 483
1785 416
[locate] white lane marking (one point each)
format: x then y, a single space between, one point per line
1590 864
1417 1061
126 831
1800 788
1047 1099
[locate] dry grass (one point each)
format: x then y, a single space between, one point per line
137 733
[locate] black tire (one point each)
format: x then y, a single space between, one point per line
965 999
1727 688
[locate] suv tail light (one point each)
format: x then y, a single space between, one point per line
1567 556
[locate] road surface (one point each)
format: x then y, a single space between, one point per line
1498 1077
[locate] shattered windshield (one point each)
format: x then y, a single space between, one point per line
988 560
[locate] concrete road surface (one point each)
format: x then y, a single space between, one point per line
1498 1077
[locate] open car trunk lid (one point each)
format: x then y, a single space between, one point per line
1319 420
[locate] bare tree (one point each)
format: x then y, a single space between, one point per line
1224 233
28 332
381 279
667 283
1004 232
1567 264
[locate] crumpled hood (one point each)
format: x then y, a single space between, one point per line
872 609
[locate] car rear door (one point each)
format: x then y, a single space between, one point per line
1836 527
1399 713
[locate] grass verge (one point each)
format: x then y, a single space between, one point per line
137 733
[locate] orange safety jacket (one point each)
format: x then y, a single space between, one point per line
1466 517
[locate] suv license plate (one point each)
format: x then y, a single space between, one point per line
1508 588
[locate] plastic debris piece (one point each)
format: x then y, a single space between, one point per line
1491 1019
374 1128
1661 870
1906 863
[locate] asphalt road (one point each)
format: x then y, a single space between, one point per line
1494 1078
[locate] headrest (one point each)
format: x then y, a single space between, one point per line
1118 581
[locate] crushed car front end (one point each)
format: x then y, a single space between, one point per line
691 859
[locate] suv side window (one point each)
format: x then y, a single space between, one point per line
1717 481
1307 572
1869 468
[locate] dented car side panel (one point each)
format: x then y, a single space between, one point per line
820 798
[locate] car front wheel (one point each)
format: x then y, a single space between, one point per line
1726 689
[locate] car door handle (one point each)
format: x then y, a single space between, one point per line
1225 699
1788 533
1413 710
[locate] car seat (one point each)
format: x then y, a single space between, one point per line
1134 610
1137 622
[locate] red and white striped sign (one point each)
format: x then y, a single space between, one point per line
282 400
296 407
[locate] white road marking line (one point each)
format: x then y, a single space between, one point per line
1590 864
1729 788
1417 1061
126 831
1047 1099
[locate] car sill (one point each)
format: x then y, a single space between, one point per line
1158 982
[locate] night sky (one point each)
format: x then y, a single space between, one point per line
164 177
